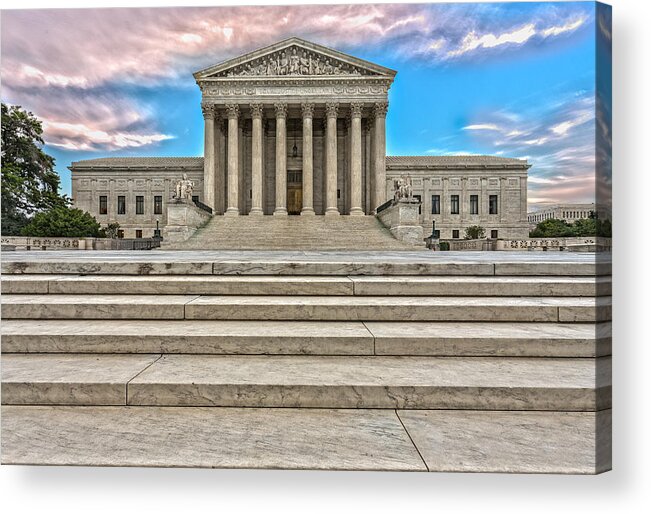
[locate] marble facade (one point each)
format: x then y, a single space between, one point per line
298 128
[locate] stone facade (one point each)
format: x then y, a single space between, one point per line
569 212
152 178
459 191
298 128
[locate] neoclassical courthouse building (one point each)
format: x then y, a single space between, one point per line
296 128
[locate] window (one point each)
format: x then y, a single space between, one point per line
138 234
474 204
418 197
455 234
140 205
120 234
158 205
436 204
454 204
338 194
492 204
122 204
103 205
493 234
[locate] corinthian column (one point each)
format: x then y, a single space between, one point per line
308 172
209 155
281 160
331 159
379 159
356 160
233 112
256 160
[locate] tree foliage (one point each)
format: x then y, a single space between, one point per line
111 230
63 222
29 182
475 232
588 227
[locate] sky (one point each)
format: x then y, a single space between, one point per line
506 79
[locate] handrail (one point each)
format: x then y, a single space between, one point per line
203 206
384 206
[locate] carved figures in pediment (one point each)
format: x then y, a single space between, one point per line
293 62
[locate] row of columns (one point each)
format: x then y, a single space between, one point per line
332 110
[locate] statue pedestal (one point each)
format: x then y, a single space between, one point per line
403 220
183 220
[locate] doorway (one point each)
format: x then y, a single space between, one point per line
294 191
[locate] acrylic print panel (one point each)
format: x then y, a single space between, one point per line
345 237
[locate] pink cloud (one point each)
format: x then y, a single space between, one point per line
84 48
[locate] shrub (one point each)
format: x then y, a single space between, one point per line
475 232
62 222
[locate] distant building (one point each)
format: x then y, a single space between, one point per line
569 212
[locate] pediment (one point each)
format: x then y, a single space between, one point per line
294 57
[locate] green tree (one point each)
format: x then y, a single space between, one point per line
29 182
585 227
62 222
475 232
552 228
111 230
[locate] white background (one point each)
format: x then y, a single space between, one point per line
623 490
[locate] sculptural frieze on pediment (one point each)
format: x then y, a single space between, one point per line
293 61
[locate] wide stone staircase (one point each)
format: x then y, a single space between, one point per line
292 233
446 364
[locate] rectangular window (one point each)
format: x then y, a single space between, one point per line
493 234
158 205
454 204
492 204
103 205
455 234
436 204
120 234
140 205
122 204
474 204
138 234
418 197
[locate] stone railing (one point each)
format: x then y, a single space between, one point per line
546 244
76 243
570 244
469 245
45 243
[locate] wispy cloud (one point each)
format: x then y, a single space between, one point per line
482 126
474 41
558 139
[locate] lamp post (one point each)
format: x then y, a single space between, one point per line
157 232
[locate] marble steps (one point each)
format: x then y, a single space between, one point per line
376 382
293 232
308 285
485 339
323 439
308 308
302 264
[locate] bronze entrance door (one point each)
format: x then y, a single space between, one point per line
294 191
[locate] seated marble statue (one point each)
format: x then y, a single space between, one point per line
184 189
402 188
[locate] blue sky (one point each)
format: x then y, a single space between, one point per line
510 79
